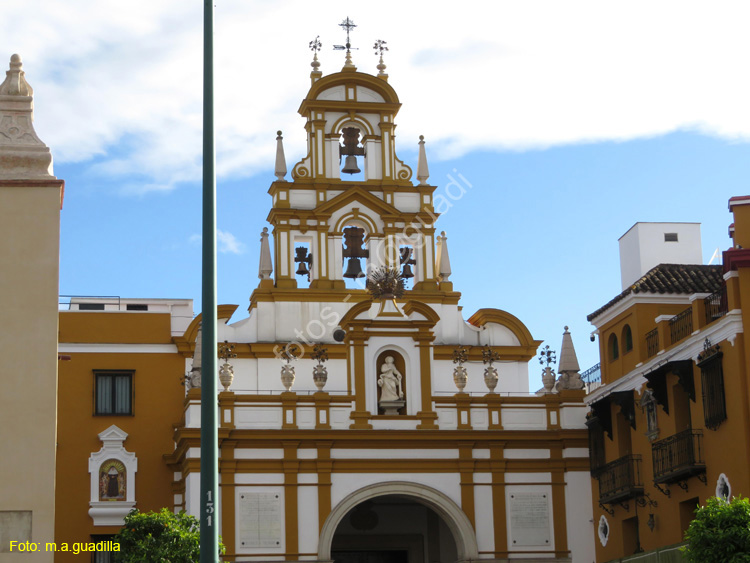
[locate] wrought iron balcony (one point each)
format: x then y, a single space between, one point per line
678 457
620 480
681 326
716 305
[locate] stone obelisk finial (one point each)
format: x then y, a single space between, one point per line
280 169
23 155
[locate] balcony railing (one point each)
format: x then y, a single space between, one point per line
678 457
652 342
620 480
592 377
681 326
716 305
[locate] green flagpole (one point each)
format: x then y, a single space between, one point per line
209 421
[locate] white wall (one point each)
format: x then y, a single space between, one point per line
644 247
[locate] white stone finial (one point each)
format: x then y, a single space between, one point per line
266 267
280 170
422 171
15 82
380 47
23 155
442 260
381 68
315 46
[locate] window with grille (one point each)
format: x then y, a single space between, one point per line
712 378
113 392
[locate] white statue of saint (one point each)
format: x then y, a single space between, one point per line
390 381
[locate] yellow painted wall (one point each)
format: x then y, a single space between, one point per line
723 450
29 250
157 405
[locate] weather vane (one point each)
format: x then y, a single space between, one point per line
379 47
348 25
315 45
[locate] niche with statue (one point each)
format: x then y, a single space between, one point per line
391 383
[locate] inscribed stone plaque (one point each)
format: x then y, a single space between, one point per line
260 519
529 519
15 525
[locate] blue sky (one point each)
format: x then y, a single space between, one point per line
571 124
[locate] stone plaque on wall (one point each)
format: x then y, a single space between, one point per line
15 525
529 519
259 520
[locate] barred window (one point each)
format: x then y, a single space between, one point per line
712 378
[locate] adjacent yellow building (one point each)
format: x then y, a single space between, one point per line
668 426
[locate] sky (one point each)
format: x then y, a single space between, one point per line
570 120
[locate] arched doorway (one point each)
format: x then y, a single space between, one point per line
397 523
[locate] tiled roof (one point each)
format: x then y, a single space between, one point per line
672 278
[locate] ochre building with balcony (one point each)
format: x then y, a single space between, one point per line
669 423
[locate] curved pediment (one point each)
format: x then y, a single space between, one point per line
353 87
497 316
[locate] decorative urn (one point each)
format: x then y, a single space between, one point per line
490 378
460 377
548 379
320 376
226 375
287 376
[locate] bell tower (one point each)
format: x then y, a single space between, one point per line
329 226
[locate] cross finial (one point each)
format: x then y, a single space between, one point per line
348 25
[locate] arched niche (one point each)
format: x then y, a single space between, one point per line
112 470
454 518
382 373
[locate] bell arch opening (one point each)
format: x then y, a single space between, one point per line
394 523
350 148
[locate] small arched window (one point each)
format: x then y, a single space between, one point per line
627 339
613 348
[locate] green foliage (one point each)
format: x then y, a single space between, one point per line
720 532
159 537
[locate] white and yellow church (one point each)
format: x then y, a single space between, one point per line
359 421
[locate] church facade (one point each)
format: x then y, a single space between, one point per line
361 425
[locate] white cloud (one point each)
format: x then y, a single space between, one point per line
118 85
228 244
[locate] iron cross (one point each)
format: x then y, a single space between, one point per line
348 25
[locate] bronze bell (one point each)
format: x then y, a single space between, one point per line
302 270
407 273
354 269
350 165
